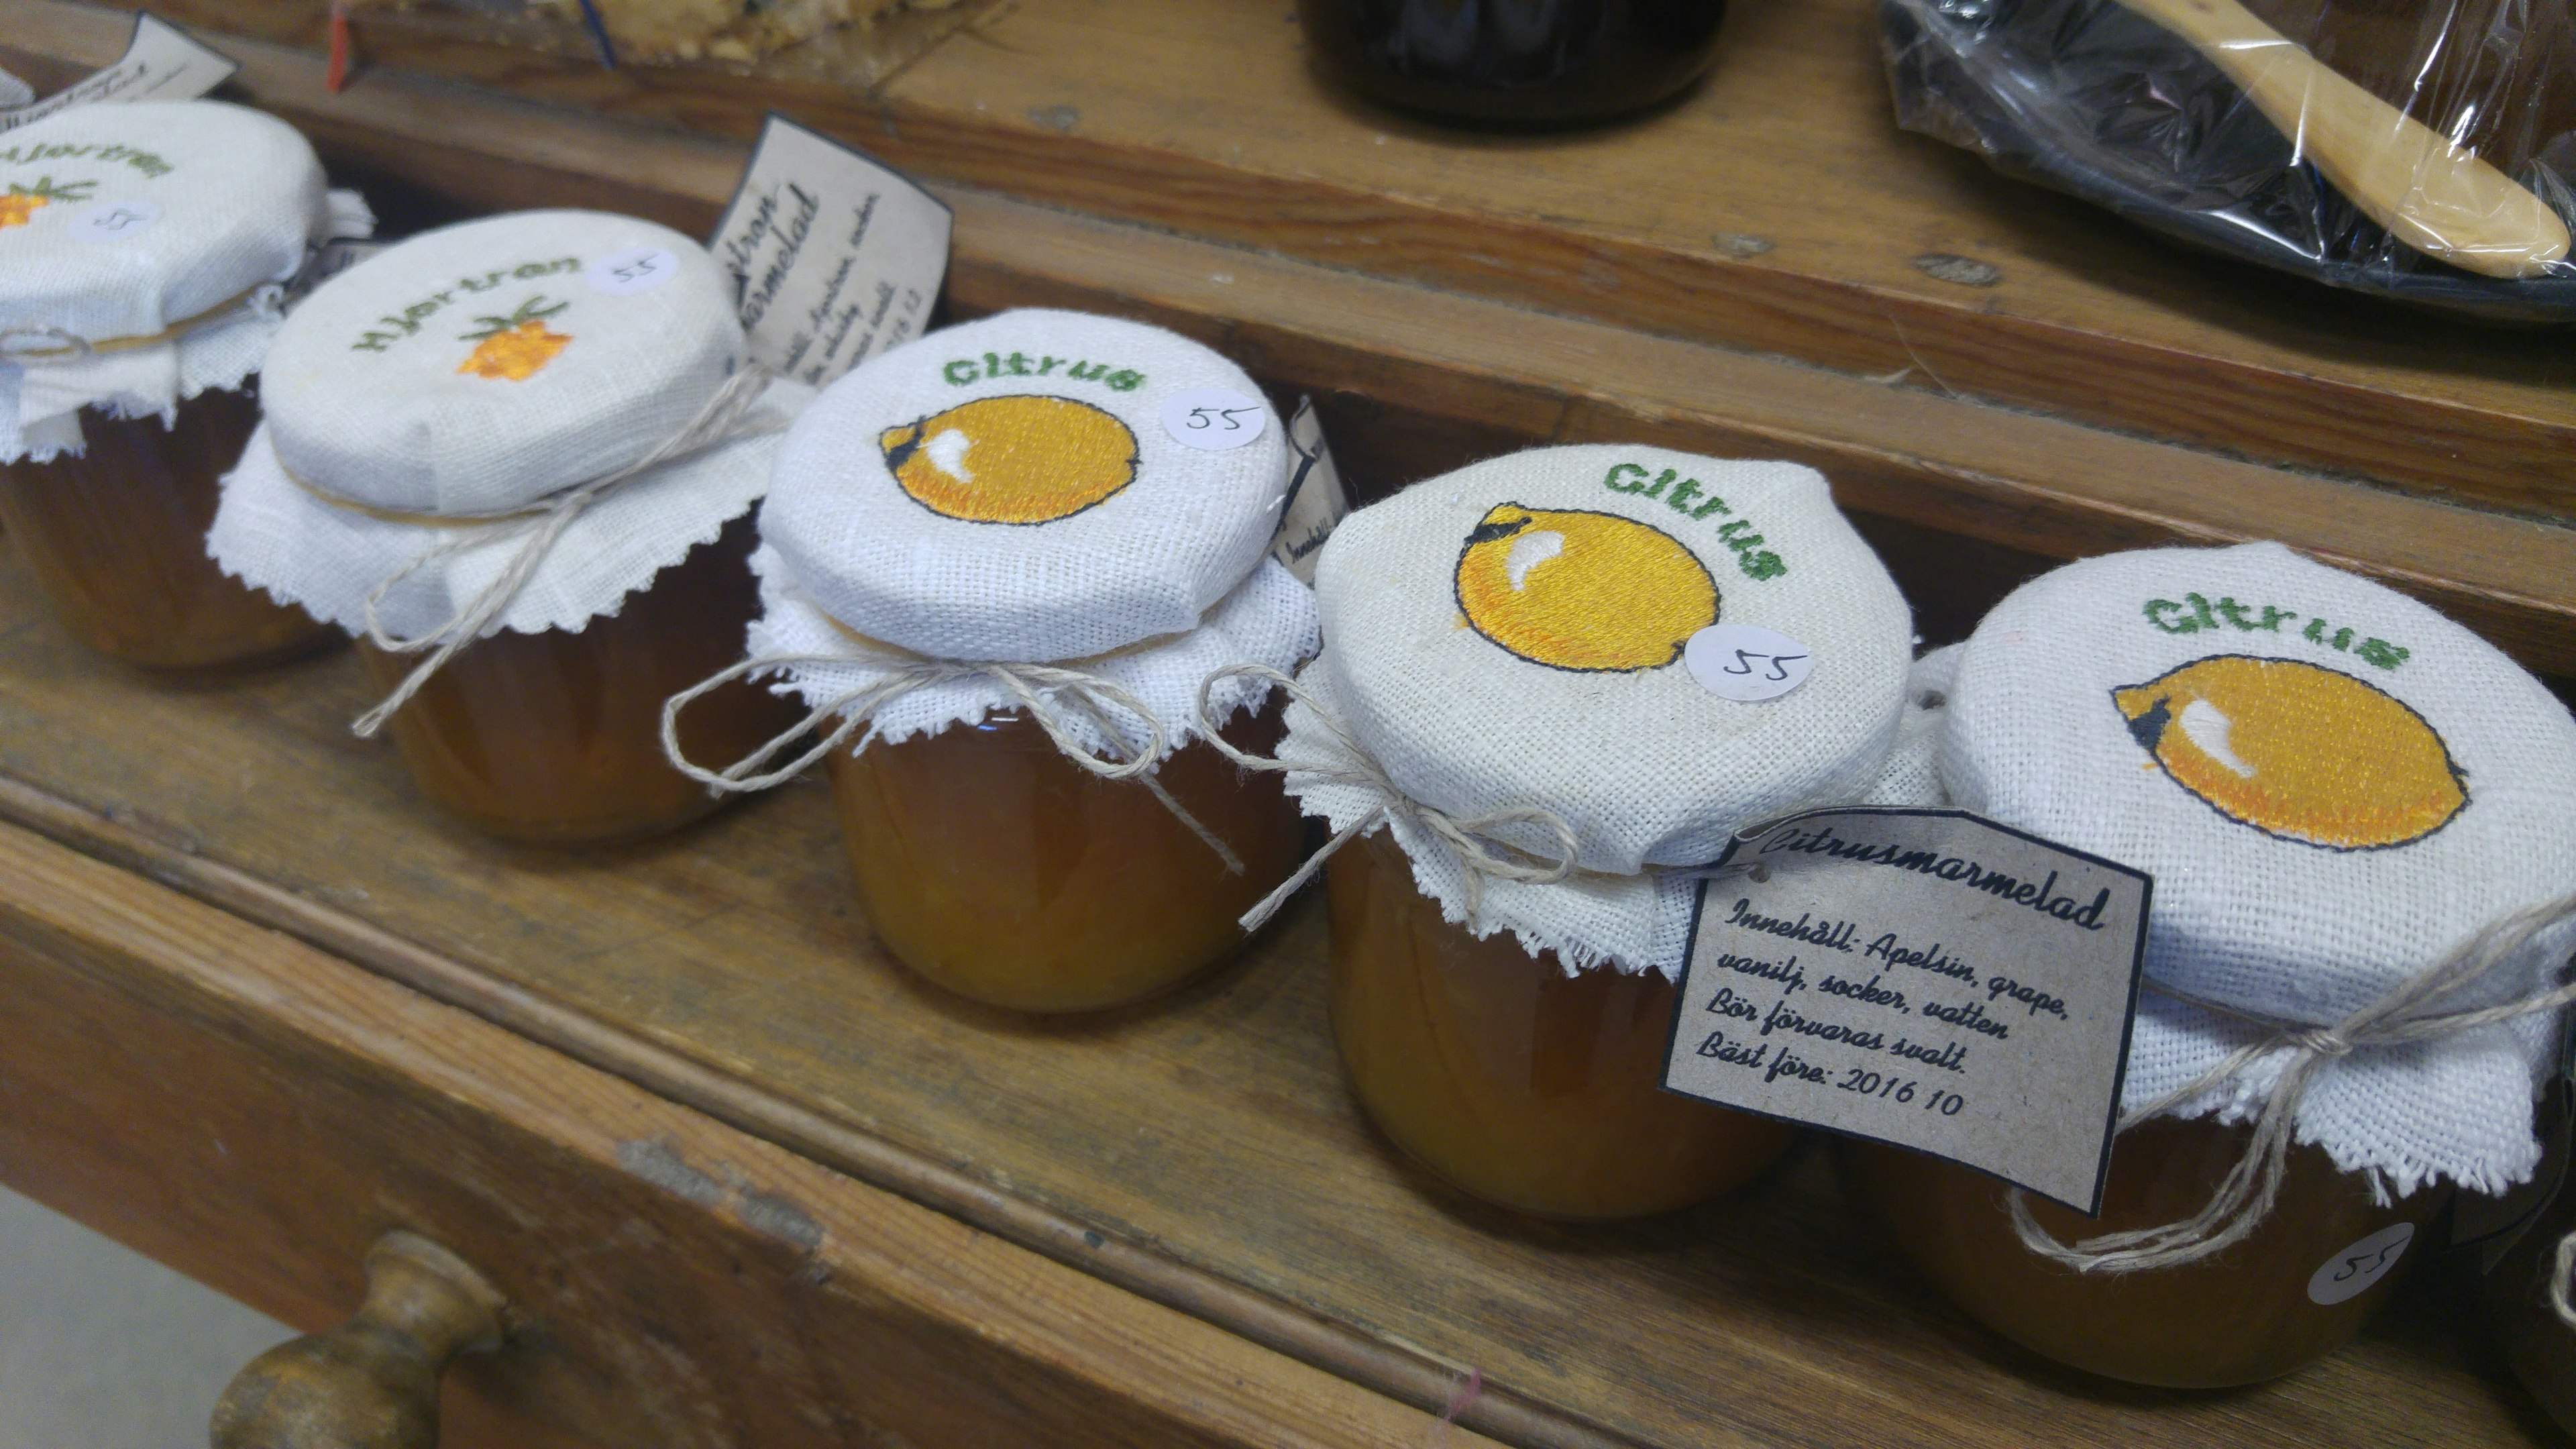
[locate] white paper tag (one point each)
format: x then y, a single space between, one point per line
1746 662
637 269
1921 977
2349 1274
110 221
834 258
1316 503
1214 419
160 64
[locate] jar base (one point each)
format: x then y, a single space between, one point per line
1510 1079
555 738
2243 1317
999 871
114 538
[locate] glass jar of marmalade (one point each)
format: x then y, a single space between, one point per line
555 737
1510 1077
1014 541
143 247
2515 1296
1514 63
115 538
2258 1310
997 868
1506 699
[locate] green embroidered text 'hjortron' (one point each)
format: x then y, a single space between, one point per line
408 322
2196 614
28 154
1688 497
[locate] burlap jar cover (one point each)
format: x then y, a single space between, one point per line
1503 686
510 424
999 517
144 255
2361 821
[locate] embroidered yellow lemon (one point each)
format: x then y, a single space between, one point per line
1024 459
2298 751
1580 590
514 347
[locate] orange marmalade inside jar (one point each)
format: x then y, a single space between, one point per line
2514 1293
999 869
2241 1317
555 737
1512 1079
115 538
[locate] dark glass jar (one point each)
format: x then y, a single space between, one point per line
115 538
1521 63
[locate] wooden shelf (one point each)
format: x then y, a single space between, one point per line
1200 1151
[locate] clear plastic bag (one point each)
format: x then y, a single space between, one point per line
2094 98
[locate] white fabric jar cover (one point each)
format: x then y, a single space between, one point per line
1006 491
2333 787
486 368
1510 637
179 221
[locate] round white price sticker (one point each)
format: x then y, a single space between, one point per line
1746 662
116 220
1214 419
2348 1274
637 269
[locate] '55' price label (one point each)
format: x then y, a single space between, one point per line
1214 419
637 269
1746 662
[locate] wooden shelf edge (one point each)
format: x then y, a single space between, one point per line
1402 1375
158 945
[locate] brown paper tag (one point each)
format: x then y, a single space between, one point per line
834 257
1925 978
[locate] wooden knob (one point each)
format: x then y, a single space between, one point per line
372 1382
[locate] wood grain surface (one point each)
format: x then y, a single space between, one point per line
1417 379
1776 210
257 1113
1201 1151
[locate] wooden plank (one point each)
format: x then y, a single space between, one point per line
1206 120
1484 375
1201 1151
256 1112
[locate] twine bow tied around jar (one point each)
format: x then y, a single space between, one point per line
1042 690
25 344
726 418
1481 855
2415 1011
